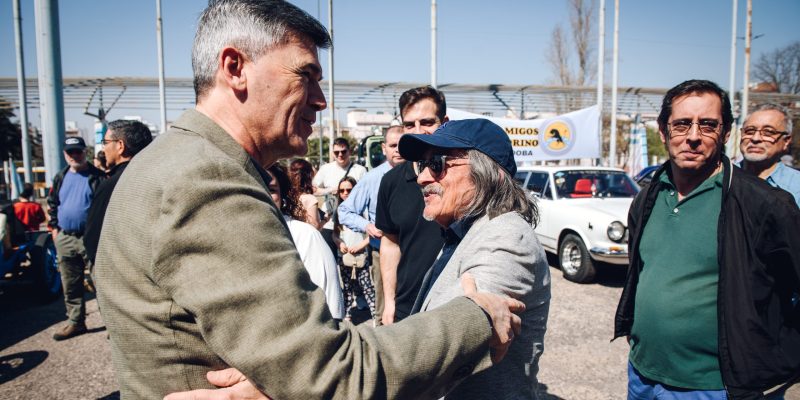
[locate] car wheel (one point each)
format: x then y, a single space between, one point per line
44 263
574 259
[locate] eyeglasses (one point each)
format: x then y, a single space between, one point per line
437 164
682 127
340 152
345 190
107 141
767 134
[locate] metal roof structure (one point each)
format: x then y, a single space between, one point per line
514 101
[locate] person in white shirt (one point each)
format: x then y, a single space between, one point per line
314 252
327 179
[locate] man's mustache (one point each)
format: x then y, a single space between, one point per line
431 189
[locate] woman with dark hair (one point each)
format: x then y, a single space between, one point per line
314 252
302 193
353 257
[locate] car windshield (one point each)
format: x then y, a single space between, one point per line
593 183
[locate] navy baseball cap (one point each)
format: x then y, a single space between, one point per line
479 134
74 143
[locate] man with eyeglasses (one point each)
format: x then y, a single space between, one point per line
365 198
409 243
466 170
123 140
327 178
766 137
707 305
69 200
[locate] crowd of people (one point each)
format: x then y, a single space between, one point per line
225 267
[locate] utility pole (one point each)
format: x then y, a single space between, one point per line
612 148
601 49
433 43
23 95
733 142
161 85
746 84
331 104
51 96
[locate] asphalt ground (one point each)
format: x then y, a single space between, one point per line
579 361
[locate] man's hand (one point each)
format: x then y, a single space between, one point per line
372 231
502 310
233 386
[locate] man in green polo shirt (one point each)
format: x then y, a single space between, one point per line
707 305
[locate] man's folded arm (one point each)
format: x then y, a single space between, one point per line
256 307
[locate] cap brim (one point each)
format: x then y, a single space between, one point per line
414 146
74 147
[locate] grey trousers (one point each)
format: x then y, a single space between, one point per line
72 262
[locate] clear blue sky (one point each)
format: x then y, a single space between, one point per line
661 42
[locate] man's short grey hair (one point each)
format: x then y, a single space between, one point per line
787 119
496 192
252 27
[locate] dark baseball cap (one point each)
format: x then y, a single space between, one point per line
74 143
467 134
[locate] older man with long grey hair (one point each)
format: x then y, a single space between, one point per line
466 171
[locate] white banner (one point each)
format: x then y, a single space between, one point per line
572 135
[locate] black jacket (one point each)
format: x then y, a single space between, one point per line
95 177
758 248
97 211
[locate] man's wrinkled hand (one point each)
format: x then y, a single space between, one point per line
502 310
233 386
373 231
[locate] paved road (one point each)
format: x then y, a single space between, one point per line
579 361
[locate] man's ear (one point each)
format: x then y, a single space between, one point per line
232 69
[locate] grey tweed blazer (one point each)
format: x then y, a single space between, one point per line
504 257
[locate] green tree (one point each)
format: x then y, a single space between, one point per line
10 138
654 145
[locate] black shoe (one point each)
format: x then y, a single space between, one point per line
69 331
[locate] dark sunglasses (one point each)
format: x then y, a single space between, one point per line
437 164
338 152
343 190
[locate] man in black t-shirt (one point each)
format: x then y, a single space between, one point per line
409 244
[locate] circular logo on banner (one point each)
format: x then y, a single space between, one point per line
558 136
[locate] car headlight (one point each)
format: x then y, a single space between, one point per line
616 231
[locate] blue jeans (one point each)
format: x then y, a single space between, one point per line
641 388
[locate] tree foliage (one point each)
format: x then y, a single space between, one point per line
10 138
781 68
560 53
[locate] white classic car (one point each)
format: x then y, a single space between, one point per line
583 213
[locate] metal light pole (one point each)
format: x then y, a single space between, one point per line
733 142
433 43
612 148
51 96
331 104
746 83
161 86
23 95
601 49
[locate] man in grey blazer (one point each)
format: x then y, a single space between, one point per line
196 269
466 170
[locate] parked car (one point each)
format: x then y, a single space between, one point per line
582 215
644 176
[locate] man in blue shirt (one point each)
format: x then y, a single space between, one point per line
365 197
766 137
69 201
